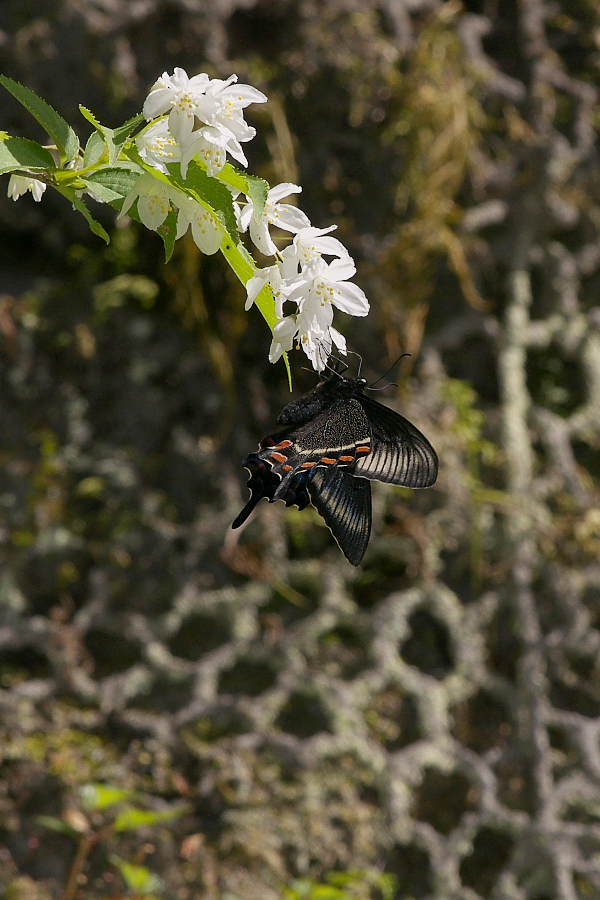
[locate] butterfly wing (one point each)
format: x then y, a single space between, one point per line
331 446
345 503
337 437
399 453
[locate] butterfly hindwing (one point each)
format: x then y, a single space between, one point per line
344 501
400 454
336 437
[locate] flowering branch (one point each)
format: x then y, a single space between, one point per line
167 168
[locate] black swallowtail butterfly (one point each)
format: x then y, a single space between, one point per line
334 439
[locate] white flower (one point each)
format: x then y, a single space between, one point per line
211 145
310 243
212 102
158 146
316 342
270 275
283 215
283 338
321 286
20 184
154 199
178 95
207 232
222 105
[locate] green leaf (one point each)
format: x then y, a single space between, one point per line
97 796
80 206
19 153
107 134
244 267
234 177
133 818
119 181
101 192
114 139
90 117
138 878
60 131
94 149
123 131
168 232
56 825
212 191
257 191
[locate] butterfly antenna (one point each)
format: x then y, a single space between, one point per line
389 384
360 361
371 386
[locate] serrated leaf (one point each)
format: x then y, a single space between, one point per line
118 180
258 190
107 134
100 192
212 191
123 131
132 818
20 153
90 117
59 130
94 149
139 878
234 177
113 138
97 796
56 825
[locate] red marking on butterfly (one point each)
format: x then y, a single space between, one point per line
279 457
287 468
327 461
346 458
283 444
308 465
363 449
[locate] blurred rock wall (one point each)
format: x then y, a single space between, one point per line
434 714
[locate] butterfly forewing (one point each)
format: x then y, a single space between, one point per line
345 503
400 454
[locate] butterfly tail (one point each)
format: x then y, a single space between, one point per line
243 515
262 483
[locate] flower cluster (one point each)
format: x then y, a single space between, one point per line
302 276
205 122
200 120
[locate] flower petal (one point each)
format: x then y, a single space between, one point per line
259 233
341 269
206 231
338 339
255 285
351 299
283 190
288 217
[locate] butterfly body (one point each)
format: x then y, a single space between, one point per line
335 438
